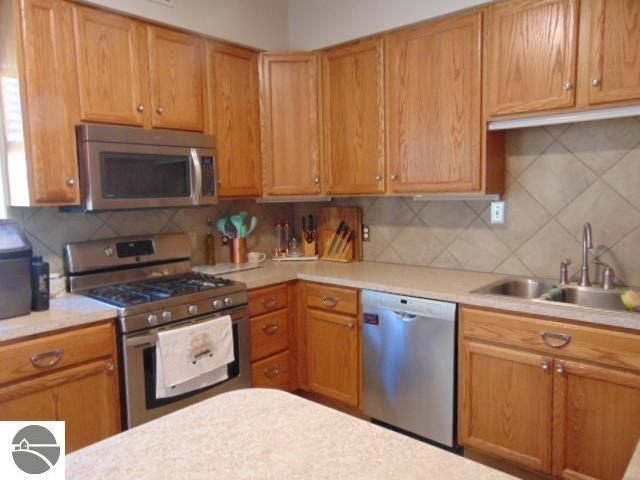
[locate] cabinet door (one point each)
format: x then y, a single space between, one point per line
353 97
176 70
85 397
332 356
50 96
531 55
613 29
433 101
506 404
232 75
109 64
290 124
596 420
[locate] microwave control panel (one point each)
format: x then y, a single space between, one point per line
208 177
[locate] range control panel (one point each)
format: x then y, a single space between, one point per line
135 249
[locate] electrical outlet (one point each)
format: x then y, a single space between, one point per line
365 233
497 212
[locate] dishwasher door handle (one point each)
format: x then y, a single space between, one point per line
406 317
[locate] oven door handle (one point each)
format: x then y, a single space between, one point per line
197 173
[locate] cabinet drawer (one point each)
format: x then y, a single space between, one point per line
272 372
269 334
53 352
267 299
601 345
334 299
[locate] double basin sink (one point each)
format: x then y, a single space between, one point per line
533 289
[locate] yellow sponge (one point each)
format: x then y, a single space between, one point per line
631 300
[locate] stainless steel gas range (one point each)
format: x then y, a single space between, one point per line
149 280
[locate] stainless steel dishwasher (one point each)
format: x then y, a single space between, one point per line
409 364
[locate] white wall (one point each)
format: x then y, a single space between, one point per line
257 23
319 23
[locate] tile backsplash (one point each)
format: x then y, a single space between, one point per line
49 230
558 178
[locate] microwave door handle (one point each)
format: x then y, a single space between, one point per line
197 172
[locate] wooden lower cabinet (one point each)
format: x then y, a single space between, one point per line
563 408
84 394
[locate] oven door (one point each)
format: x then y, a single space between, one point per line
122 176
138 355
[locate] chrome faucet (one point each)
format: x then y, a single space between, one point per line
587 244
564 272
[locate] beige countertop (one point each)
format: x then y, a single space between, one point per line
64 312
434 283
258 433
439 284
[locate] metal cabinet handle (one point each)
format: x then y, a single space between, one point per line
159 110
272 372
269 302
270 328
595 81
47 359
560 369
111 367
140 108
545 366
71 181
330 302
548 336
567 85
316 179
378 177
394 176
351 324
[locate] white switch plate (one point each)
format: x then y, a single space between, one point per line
497 212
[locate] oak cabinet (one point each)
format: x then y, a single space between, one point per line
332 344
232 85
176 71
549 396
611 33
70 376
110 67
531 55
273 345
47 71
353 100
433 99
290 123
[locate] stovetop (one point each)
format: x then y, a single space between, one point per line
146 291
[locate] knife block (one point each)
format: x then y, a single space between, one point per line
344 257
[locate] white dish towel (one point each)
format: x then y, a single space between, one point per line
193 357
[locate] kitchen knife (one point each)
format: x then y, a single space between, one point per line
344 248
334 239
341 241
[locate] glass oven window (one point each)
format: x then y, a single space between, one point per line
149 360
141 175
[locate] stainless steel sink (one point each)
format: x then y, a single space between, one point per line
588 297
516 287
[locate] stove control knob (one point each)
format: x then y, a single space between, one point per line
228 301
166 316
108 251
217 304
193 309
152 319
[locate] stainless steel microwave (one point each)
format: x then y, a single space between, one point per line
128 167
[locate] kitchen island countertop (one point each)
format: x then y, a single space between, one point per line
259 433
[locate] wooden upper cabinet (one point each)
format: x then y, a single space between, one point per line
353 96
531 55
506 403
433 104
611 29
595 409
109 66
176 65
290 123
234 117
50 100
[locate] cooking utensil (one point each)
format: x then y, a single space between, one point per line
334 239
238 222
341 242
253 223
345 246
